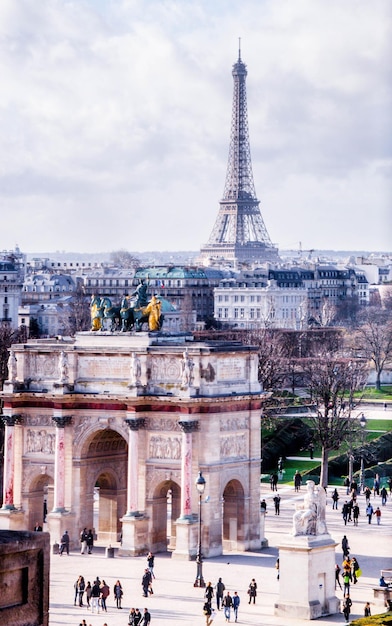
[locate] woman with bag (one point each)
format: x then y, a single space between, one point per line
252 591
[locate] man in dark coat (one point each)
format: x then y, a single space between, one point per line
219 593
146 580
64 543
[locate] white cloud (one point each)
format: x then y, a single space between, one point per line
115 120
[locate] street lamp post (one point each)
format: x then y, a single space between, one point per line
363 423
199 582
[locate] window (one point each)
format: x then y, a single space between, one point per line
242 313
235 313
235 298
226 313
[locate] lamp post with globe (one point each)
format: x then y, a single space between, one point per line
199 582
363 422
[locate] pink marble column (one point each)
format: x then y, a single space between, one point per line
134 424
59 463
187 428
9 460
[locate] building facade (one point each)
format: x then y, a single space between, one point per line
109 431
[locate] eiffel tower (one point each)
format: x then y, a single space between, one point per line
239 236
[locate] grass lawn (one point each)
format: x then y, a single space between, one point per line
371 393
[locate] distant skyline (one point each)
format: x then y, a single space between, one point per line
115 121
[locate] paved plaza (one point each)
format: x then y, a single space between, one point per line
178 603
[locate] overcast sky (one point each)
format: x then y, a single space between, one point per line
115 121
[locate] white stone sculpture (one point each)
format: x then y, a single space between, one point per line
135 370
309 518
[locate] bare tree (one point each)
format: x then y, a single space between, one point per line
332 380
79 311
124 259
373 339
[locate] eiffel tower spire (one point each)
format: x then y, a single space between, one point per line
239 234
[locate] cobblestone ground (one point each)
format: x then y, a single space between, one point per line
178 603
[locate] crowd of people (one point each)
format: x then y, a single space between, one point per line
94 595
225 601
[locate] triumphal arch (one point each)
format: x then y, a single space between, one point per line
109 431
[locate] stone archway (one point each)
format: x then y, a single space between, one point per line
39 499
233 516
103 485
166 509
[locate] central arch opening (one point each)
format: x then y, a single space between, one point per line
103 475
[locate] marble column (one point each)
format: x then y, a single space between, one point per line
187 427
9 460
186 526
134 523
134 424
61 422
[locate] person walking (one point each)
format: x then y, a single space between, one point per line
83 541
367 494
76 589
227 603
277 504
367 612
345 512
347 604
354 569
384 496
335 498
64 543
146 580
88 593
118 593
131 616
355 514
137 618
95 595
346 581
252 591
150 563
297 480
90 541
369 512
337 576
345 547
105 591
236 604
275 479
220 588
146 617
377 513
207 611
81 589
209 593
390 485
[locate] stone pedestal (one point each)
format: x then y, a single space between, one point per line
11 519
58 522
134 535
24 578
186 539
307 577
263 539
